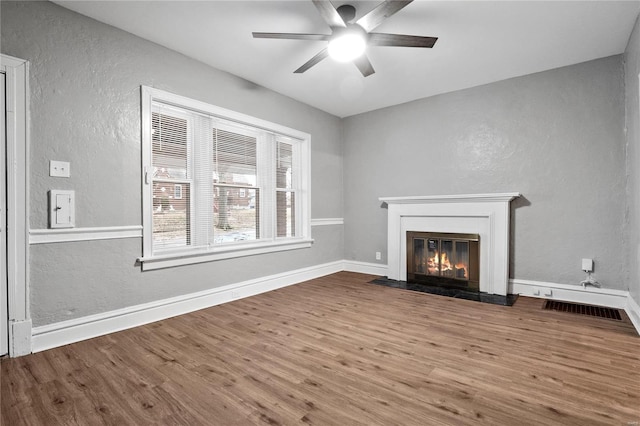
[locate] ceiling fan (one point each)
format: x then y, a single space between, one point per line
348 41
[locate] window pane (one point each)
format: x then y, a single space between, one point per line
236 206
284 169
234 158
285 214
169 146
236 218
170 215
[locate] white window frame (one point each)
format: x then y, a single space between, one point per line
151 260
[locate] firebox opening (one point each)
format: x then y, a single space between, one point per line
444 259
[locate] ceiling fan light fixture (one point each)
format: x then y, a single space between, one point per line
349 40
347 46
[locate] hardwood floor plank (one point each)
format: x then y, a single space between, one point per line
335 351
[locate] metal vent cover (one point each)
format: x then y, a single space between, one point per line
578 308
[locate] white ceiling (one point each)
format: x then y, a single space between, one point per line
479 42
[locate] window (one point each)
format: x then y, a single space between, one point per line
219 184
177 192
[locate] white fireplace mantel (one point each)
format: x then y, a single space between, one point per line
485 214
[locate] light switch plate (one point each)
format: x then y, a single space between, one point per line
59 168
62 209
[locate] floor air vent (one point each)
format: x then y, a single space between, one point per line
577 308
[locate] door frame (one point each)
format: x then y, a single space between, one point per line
4 319
17 125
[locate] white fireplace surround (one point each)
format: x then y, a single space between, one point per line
485 214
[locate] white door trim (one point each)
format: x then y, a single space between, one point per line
4 318
17 105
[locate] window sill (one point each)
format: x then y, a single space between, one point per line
220 253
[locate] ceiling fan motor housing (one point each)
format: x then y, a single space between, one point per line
346 12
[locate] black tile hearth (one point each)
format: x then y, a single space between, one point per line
494 299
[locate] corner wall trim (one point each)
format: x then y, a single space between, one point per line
47 236
633 311
327 221
366 267
71 331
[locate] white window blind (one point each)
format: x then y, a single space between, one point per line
171 167
220 182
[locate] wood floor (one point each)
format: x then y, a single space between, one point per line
338 351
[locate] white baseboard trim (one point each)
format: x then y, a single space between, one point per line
366 267
633 312
570 293
47 236
65 332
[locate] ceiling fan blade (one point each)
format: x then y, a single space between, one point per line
374 18
292 36
329 14
382 39
364 65
311 62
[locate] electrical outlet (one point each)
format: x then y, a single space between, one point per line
378 255
59 169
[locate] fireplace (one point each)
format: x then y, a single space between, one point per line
487 215
444 259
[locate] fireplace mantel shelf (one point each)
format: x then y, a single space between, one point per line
428 199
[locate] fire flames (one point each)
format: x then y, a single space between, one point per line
439 264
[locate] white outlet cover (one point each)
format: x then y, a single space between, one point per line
59 168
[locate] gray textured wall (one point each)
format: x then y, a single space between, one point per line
85 82
632 216
557 137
